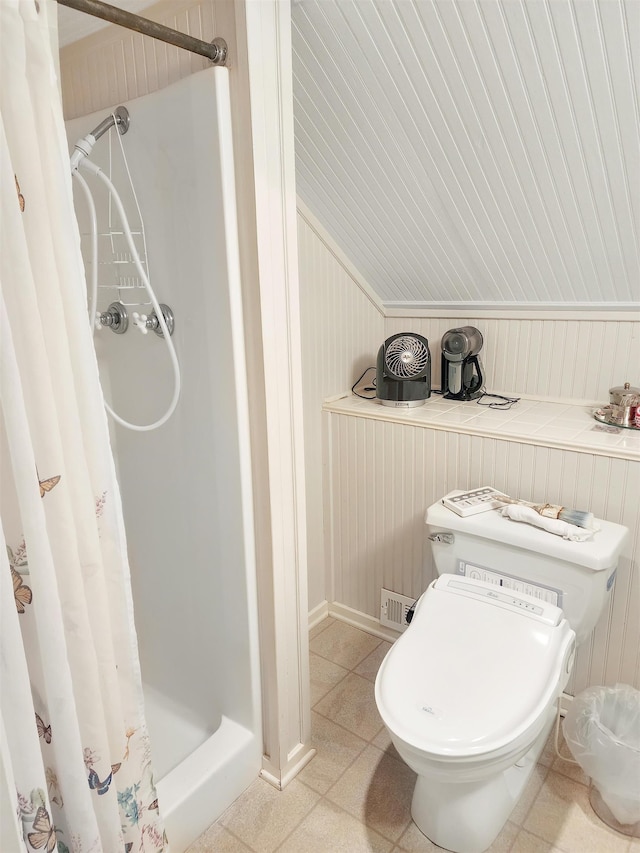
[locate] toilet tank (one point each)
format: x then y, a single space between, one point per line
576 576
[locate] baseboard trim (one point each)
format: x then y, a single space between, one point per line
362 620
302 755
318 613
372 626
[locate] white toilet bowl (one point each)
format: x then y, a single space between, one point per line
468 694
469 691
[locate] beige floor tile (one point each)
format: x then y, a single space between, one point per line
262 817
562 815
218 840
568 767
559 821
352 704
548 755
571 771
320 627
368 668
368 788
413 841
528 796
324 675
376 789
336 749
329 829
527 843
383 741
505 839
343 644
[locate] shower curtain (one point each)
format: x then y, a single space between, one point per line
75 768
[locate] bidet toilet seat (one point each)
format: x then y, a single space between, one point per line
469 692
471 680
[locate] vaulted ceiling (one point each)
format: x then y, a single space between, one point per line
484 152
474 151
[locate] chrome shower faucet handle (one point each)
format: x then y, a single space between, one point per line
152 323
114 318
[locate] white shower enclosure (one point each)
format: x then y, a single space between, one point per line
186 487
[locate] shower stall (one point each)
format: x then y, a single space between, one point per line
186 486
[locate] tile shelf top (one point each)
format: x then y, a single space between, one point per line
550 424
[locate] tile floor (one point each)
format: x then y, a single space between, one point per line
355 795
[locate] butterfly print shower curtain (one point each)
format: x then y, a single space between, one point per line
75 766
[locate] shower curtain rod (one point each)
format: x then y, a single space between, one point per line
216 50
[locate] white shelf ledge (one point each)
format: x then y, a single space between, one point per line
539 422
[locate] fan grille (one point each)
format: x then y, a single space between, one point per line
406 357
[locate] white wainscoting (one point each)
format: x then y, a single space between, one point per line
555 358
384 475
341 327
380 477
548 356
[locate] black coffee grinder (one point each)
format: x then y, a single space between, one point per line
461 371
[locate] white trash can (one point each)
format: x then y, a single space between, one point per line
602 730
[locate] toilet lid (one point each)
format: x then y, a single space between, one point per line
475 670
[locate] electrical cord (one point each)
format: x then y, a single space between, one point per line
371 387
498 400
505 403
411 611
556 739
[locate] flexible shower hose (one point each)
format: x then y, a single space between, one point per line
86 164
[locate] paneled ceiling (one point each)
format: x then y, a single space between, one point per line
484 152
474 151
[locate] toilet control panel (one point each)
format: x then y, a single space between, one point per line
503 598
470 503
543 612
507 583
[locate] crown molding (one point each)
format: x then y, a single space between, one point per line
619 312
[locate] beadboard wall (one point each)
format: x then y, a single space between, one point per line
370 492
115 64
384 475
341 327
554 357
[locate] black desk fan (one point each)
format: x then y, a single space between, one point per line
403 371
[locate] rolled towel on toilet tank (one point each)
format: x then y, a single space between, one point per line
577 517
528 515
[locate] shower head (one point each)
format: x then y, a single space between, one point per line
83 147
119 117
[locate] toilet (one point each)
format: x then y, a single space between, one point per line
469 693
